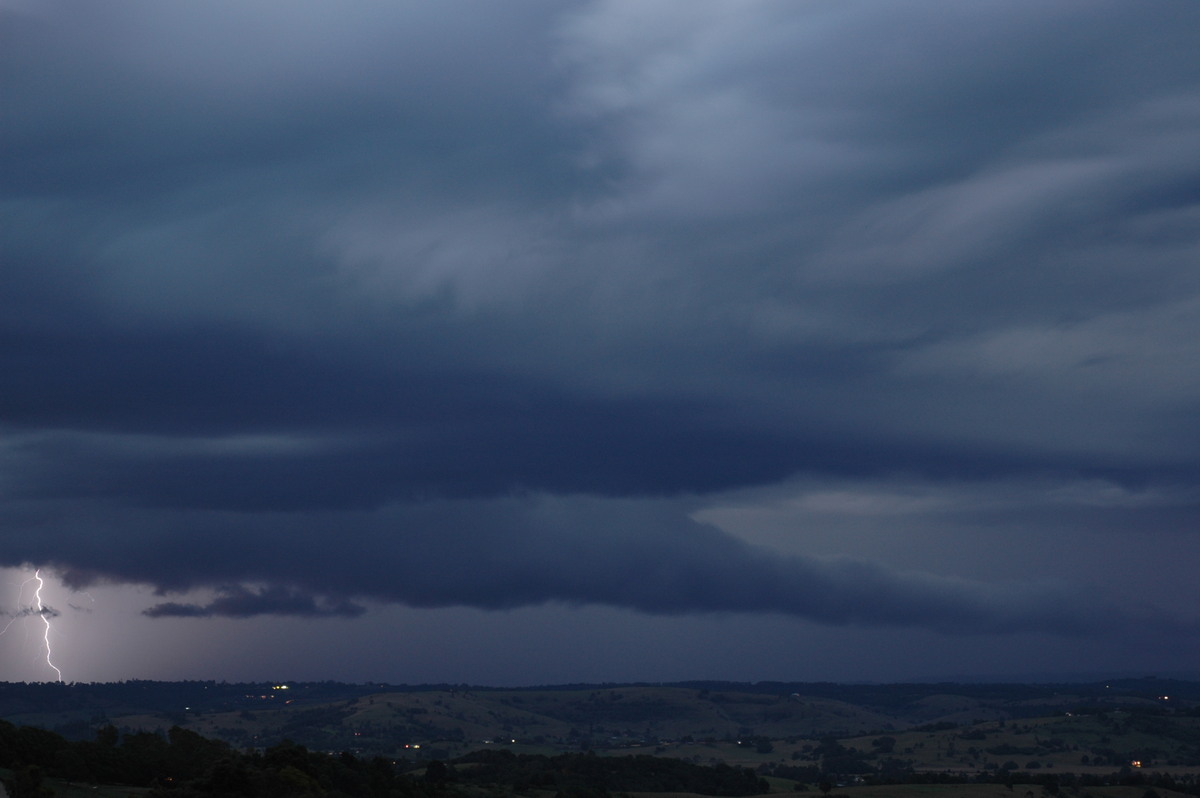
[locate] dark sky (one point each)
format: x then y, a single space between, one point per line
536 342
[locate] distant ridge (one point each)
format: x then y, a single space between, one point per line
1059 677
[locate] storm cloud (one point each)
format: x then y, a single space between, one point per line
606 303
239 602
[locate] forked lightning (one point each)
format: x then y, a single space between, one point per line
44 611
40 610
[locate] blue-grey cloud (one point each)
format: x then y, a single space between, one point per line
44 611
241 602
502 554
443 287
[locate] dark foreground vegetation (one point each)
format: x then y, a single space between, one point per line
181 764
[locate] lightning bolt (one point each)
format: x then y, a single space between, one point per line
39 609
44 611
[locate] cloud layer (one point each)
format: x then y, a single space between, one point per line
487 306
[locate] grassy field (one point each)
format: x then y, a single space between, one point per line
67 790
1068 743
456 722
64 789
951 791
